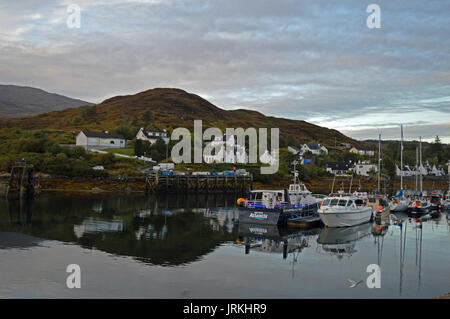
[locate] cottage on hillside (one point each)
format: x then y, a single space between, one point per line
362 151
152 136
338 168
315 149
100 140
364 168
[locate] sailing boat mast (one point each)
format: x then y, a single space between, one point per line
420 163
417 166
401 158
379 161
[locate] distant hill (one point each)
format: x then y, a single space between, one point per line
20 101
174 108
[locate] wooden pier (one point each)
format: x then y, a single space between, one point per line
21 181
197 183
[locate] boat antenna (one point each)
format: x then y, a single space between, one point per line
379 161
350 188
420 164
401 158
332 187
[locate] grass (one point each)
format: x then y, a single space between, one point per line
123 151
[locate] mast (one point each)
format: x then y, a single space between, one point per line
417 166
401 158
379 161
420 163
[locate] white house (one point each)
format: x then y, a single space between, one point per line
362 151
100 140
437 171
364 168
338 168
407 171
315 149
152 136
228 151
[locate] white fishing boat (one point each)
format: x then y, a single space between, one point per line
400 202
299 194
344 211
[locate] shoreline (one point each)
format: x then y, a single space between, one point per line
138 184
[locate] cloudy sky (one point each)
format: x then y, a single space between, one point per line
314 60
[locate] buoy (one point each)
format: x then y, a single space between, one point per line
240 200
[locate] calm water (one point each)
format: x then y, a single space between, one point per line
178 247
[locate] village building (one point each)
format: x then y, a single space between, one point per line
152 136
315 149
407 171
100 140
364 168
337 168
362 151
228 151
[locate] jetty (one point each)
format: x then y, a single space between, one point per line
197 183
21 181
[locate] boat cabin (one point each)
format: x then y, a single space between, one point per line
298 188
267 199
343 202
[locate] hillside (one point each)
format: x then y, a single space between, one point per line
173 108
20 101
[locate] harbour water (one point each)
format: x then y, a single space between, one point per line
194 247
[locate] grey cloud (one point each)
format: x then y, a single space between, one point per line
299 59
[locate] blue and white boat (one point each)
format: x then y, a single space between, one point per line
271 207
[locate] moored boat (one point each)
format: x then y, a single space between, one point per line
344 211
271 207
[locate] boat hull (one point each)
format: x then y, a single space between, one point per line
262 216
345 218
402 206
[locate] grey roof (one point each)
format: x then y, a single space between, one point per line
313 146
150 134
102 134
337 166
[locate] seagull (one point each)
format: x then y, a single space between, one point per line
353 283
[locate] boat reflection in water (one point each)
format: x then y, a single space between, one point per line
342 241
274 239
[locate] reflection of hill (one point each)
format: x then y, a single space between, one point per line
119 227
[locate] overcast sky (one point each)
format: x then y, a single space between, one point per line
312 60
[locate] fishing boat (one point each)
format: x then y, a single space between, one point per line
344 211
435 201
271 207
299 194
400 202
